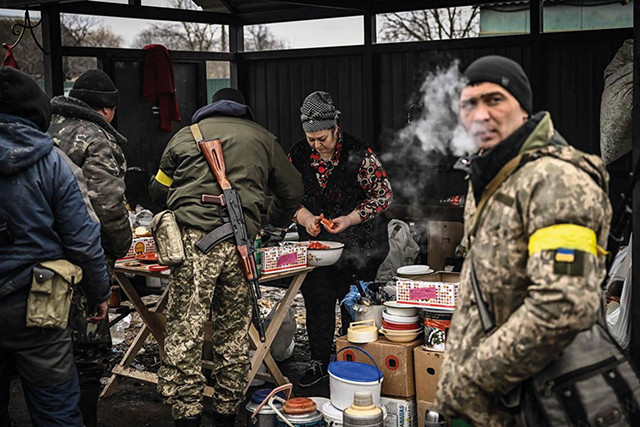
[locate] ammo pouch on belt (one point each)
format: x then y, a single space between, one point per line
50 295
166 233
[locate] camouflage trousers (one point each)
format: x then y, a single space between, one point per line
202 284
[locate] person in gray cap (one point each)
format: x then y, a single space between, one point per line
536 217
81 127
345 183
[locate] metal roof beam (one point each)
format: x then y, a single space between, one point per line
409 5
146 12
357 5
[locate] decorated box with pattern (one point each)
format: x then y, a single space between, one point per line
283 258
437 290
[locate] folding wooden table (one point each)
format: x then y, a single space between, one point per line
155 321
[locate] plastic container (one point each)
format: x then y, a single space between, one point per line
117 330
345 378
332 415
362 332
362 412
436 328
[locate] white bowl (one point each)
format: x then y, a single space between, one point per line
401 336
324 257
396 309
400 319
414 270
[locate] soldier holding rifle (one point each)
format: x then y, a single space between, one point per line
215 281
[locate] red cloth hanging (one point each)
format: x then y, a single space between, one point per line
10 60
158 83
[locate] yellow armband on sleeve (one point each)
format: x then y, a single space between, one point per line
163 178
565 236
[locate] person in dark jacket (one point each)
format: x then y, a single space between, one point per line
44 216
81 127
213 282
343 181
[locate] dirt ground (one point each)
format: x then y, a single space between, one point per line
136 404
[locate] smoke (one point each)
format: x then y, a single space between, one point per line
437 129
426 146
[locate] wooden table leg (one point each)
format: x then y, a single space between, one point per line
262 348
155 321
137 343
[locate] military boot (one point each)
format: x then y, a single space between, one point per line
192 421
223 420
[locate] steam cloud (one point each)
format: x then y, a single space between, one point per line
438 128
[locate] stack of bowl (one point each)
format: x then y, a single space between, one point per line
399 323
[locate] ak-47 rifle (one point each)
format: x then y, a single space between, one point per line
212 151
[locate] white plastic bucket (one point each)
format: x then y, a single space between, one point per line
345 378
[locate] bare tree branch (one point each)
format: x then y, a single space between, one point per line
431 24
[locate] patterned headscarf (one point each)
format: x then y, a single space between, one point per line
318 112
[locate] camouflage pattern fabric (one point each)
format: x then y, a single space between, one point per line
203 283
94 146
539 304
91 341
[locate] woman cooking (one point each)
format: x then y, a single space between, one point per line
346 184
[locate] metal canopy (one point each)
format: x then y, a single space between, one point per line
241 12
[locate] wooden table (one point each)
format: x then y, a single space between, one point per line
155 321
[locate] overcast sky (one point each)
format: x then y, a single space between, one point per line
330 32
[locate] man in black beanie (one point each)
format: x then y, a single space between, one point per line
47 225
536 211
81 127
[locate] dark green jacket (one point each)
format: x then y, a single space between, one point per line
255 161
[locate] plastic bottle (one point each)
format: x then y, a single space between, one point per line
117 330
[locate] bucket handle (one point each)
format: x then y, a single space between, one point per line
277 411
334 357
288 387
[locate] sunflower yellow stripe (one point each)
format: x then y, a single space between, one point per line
564 236
163 178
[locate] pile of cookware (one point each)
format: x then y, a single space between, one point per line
400 323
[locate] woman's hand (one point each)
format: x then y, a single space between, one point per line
312 224
341 223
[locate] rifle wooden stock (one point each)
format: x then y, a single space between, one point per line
212 151
248 263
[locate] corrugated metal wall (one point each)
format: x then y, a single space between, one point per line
566 80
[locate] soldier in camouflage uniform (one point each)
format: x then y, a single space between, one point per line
214 282
536 217
80 126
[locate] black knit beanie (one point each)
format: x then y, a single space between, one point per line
230 94
21 96
504 72
95 88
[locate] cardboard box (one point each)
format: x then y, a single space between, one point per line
139 246
437 290
394 359
443 238
427 372
400 412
